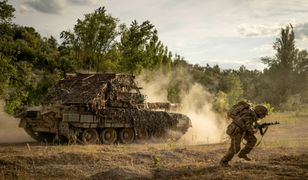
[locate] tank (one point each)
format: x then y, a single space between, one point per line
101 108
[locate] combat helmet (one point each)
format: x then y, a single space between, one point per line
261 110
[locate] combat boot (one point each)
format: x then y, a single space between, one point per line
244 156
224 164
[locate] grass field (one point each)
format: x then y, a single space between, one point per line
283 154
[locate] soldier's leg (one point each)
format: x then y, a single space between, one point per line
251 142
234 148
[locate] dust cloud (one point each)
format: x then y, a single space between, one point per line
155 89
9 130
207 126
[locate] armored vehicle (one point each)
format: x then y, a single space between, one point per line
101 108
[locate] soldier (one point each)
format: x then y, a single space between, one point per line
243 127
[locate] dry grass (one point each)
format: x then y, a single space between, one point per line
283 154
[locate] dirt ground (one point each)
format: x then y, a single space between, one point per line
283 154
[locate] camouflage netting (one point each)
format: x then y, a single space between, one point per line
156 123
80 89
94 90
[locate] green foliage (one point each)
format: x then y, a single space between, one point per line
141 48
207 76
220 103
6 68
30 64
173 94
24 57
20 81
250 83
6 12
269 108
157 160
11 104
286 76
232 86
92 38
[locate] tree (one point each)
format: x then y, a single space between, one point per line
6 12
92 39
301 75
207 76
25 58
132 46
283 68
249 80
232 86
156 55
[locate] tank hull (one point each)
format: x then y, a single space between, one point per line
136 124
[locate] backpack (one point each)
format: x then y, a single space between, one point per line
236 109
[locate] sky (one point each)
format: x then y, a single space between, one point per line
229 33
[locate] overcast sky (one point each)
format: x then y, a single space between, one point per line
229 33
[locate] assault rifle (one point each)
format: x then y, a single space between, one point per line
265 126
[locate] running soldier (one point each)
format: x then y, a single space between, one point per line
242 127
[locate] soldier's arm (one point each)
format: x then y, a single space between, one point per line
249 123
258 126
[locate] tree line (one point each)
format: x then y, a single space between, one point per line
30 64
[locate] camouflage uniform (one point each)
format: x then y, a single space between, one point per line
241 127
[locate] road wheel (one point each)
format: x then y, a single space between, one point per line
127 135
108 136
89 136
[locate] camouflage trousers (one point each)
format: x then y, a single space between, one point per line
235 145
